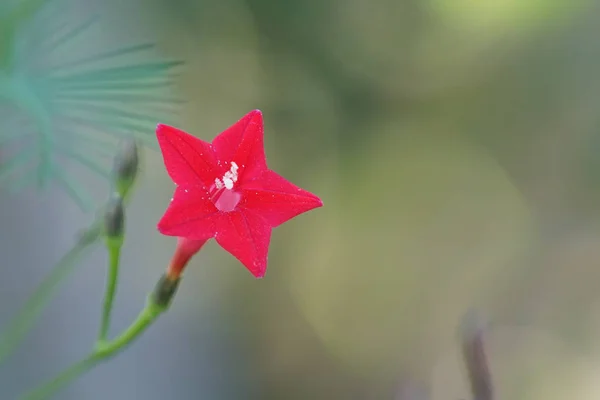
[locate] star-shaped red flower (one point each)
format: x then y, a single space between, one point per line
225 190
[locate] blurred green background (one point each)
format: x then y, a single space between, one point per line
456 146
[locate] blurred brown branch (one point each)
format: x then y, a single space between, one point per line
475 358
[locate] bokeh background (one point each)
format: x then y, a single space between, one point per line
455 144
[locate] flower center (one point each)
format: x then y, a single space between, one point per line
226 200
222 194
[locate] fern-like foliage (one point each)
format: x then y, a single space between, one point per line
64 99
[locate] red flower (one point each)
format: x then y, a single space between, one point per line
225 190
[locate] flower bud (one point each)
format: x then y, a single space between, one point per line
125 167
165 290
114 218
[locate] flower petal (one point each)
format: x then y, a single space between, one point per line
188 159
246 236
276 199
243 143
191 215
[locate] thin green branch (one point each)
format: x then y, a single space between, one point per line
103 351
109 85
67 376
131 129
112 112
137 71
73 33
25 319
113 246
104 56
19 326
119 97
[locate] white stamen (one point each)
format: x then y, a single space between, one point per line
229 178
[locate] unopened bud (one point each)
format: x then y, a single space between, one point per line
126 166
165 291
114 218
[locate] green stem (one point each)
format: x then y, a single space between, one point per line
63 379
114 254
144 319
23 321
102 352
34 306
